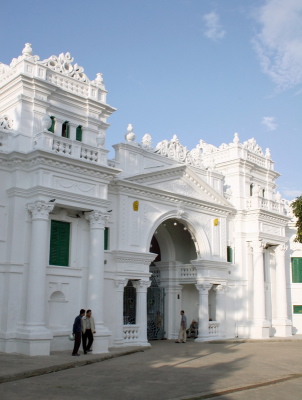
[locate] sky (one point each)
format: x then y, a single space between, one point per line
198 69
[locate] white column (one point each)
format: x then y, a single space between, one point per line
141 309
203 312
95 289
220 308
282 325
260 327
119 308
35 337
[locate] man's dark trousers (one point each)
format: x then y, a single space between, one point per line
87 335
77 342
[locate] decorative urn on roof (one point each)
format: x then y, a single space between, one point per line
130 136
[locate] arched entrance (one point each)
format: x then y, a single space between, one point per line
175 246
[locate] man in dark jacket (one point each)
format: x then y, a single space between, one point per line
77 332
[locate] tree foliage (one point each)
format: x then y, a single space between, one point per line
297 210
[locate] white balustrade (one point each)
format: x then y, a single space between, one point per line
187 271
213 328
131 333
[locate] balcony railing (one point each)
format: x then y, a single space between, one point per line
257 202
46 140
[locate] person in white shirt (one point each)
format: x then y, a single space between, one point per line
88 329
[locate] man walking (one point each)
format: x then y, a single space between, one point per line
88 329
182 336
77 332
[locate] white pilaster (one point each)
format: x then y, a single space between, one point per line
33 337
95 289
203 312
141 309
260 326
282 324
220 308
119 318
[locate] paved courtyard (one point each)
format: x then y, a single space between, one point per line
166 371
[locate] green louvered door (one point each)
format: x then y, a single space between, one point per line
59 243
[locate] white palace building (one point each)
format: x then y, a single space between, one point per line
137 238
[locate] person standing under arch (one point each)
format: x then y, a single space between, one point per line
182 336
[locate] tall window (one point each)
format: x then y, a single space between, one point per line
263 193
106 239
79 133
53 123
59 243
297 269
229 254
251 189
65 129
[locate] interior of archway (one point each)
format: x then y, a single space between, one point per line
173 241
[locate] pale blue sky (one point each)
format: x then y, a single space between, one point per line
200 69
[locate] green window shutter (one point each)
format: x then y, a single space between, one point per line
106 239
297 269
229 254
79 133
67 130
59 243
297 309
53 122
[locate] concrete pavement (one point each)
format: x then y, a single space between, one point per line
166 371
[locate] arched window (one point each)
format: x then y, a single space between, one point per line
251 189
65 129
79 133
263 193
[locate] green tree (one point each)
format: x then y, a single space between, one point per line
297 210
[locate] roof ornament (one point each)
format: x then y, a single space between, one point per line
236 138
27 53
147 141
63 64
252 145
268 153
130 135
99 81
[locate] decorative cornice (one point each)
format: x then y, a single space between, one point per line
50 160
132 257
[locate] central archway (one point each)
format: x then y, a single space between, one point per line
175 246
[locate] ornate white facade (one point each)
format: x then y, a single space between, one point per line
207 224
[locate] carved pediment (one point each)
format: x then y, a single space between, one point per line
182 181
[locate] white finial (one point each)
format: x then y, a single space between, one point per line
130 136
267 153
27 51
236 138
99 78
